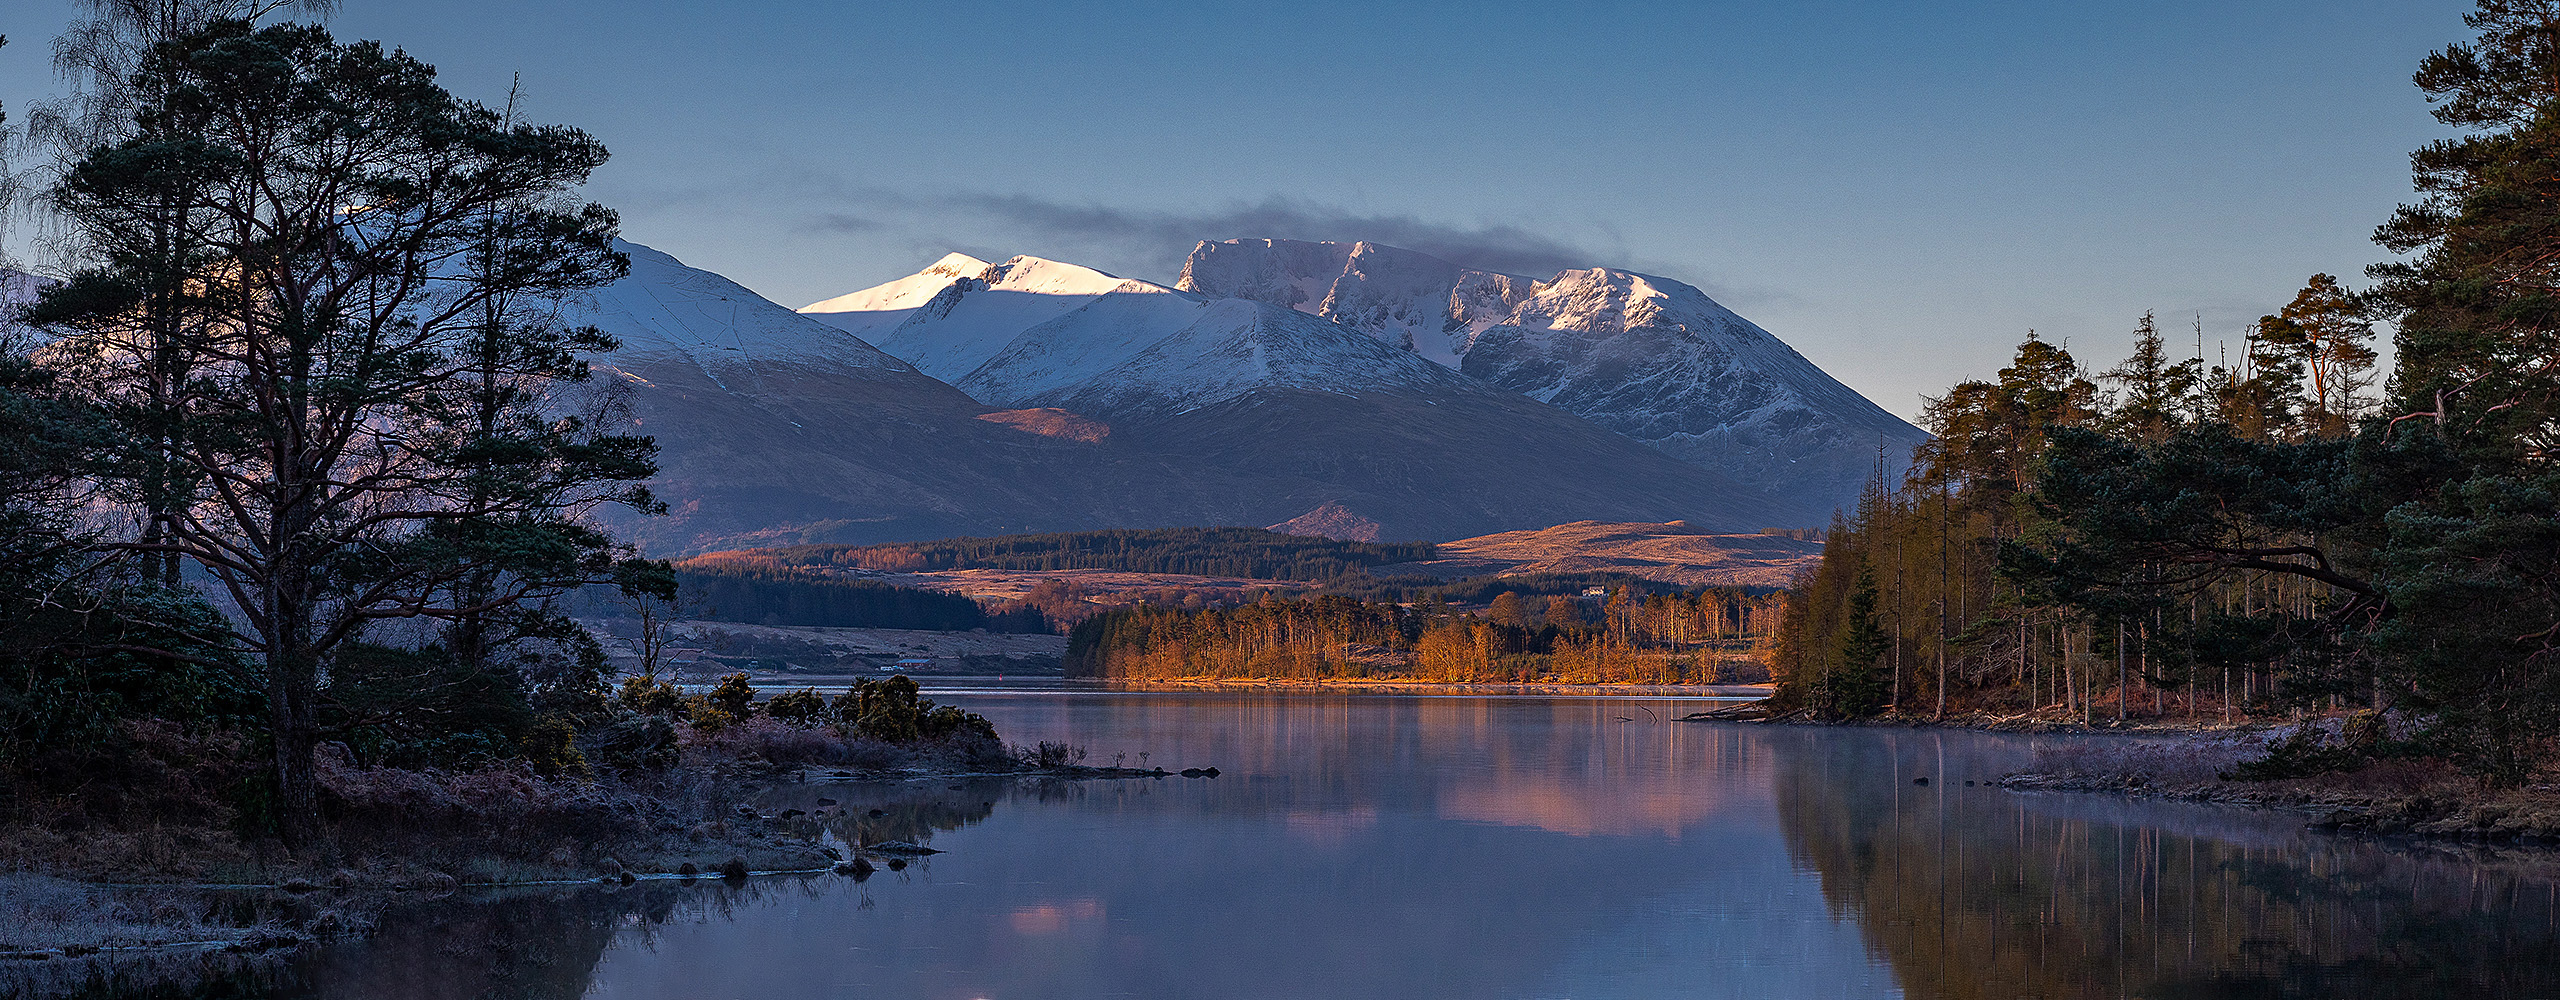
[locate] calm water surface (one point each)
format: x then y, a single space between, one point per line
1402 847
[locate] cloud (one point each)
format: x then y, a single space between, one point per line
1152 244
1505 248
840 222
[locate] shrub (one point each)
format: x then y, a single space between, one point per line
425 708
728 704
1051 754
635 743
2310 750
804 707
891 711
551 747
648 695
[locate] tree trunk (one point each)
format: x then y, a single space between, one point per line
293 691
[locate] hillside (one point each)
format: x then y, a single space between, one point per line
1672 553
1248 553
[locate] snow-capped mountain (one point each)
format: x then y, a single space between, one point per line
1033 332
775 428
1100 403
1648 357
1268 390
665 310
1398 296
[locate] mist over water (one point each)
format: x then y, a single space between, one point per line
1378 846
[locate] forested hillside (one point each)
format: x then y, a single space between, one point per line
1251 553
777 596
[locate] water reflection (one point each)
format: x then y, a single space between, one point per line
1453 847
1978 893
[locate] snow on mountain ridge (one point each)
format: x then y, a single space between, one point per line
1403 297
1649 357
907 292
664 309
1036 332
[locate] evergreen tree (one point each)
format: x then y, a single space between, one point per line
2322 333
1987 434
337 207
1858 685
2158 393
2473 416
2477 296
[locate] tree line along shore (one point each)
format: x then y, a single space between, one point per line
2286 529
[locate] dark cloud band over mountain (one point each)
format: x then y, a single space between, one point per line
1493 248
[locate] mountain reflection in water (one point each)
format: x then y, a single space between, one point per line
1484 847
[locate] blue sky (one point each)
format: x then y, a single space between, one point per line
1901 191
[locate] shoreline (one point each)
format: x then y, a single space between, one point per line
1730 692
82 908
2176 760
2027 723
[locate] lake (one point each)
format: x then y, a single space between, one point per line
1414 846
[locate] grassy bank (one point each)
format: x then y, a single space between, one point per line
2345 772
1373 685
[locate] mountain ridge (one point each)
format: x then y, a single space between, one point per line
1652 358
776 427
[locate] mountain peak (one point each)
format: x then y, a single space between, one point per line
905 293
1042 276
1649 357
957 265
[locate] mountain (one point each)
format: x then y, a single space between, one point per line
1092 402
775 428
1236 389
1040 333
1648 357
1673 553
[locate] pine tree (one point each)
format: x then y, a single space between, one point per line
337 206
2322 333
1858 684
2158 392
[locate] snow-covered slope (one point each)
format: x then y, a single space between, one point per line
774 426
1034 332
1660 362
1404 298
1173 409
900 295
1265 390
665 310
1648 357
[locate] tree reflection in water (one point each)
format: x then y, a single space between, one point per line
1978 892
1488 847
